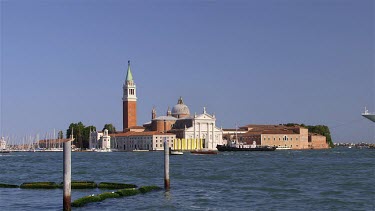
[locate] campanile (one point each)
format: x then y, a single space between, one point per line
129 101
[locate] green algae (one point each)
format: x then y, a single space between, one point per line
81 185
145 189
85 200
2 185
107 195
128 192
111 185
39 185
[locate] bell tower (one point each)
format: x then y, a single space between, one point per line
129 101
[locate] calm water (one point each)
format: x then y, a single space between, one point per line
337 179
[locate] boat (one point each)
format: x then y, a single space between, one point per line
4 151
141 150
103 150
244 147
175 152
283 148
204 152
368 115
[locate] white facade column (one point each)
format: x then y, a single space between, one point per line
208 136
200 136
213 136
194 136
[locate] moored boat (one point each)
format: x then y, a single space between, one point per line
283 148
223 148
103 150
4 151
204 152
174 152
244 147
141 150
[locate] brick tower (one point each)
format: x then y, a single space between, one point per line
129 101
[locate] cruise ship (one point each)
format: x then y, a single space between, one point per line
370 116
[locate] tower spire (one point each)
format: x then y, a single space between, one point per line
129 75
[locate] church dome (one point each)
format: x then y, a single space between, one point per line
180 110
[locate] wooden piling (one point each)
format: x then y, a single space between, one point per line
67 175
166 165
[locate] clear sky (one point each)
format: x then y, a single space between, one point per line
249 62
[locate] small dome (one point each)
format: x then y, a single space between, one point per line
180 110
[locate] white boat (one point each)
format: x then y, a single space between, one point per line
141 150
370 116
174 152
103 150
283 148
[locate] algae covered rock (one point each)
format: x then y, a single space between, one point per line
145 189
112 185
107 195
39 185
2 185
81 185
84 200
128 192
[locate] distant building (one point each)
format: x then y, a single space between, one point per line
317 141
95 136
148 140
197 130
3 143
99 140
294 137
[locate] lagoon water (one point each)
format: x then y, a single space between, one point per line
335 179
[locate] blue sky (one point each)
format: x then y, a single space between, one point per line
258 62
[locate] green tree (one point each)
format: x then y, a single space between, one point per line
110 128
322 130
81 134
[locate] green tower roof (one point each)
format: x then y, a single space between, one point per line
129 76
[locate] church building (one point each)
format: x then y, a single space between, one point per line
197 130
181 130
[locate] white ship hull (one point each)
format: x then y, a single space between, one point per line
368 115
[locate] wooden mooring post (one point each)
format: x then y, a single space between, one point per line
166 165
67 174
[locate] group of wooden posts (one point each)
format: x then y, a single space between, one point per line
68 172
